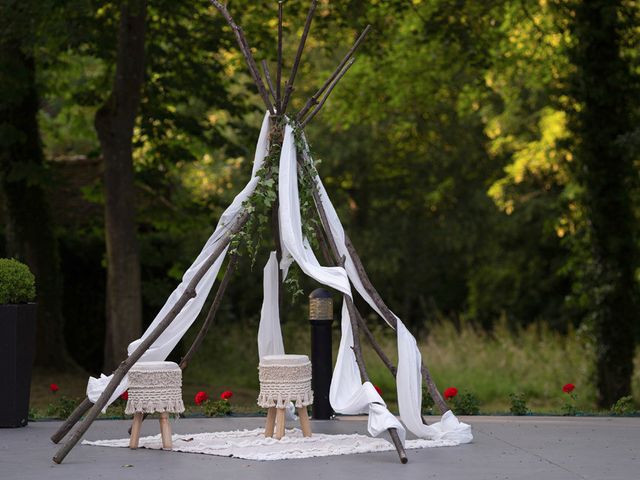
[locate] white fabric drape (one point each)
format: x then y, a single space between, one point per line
409 378
348 394
167 341
269 333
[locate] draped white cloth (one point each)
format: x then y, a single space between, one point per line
161 348
348 395
269 333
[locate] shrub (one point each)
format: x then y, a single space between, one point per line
62 407
519 404
217 408
624 406
17 283
466 404
427 401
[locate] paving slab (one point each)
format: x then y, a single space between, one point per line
547 448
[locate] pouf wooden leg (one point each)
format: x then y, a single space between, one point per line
135 430
304 421
165 431
271 422
279 423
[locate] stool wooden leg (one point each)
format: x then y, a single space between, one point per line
165 431
279 423
271 422
135 430
304 421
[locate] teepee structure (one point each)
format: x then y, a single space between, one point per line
282 164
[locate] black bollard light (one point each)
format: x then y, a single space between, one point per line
321 318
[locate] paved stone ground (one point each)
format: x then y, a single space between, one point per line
545 448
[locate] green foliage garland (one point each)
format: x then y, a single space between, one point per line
264 199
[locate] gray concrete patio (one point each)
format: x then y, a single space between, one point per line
546 448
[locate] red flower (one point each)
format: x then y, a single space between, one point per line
201 397
450 392
378 389
54 387
568 388
125 395
226 395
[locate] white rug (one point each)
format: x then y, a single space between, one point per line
252 445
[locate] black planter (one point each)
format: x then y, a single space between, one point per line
17 346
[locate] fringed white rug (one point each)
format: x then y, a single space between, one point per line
252 444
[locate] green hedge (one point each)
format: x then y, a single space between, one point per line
17 283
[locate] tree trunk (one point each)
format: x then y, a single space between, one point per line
602 89
114 123
30 230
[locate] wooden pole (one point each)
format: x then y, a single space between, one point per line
357 348
246 51
315 111
125 366
86 404
267 76
390 318
71 420
279 70
208 322
361 323
211 315
314 98
377 299
294 69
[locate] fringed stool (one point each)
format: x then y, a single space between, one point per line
284 379
154 387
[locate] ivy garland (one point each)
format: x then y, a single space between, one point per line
260 204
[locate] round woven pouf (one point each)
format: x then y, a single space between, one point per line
284 379
154 387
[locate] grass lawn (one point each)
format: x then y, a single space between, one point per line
535 362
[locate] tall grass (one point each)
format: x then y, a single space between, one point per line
535 361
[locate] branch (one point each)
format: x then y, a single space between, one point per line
71 420
376 346
315 111
388 315
353 314
125 366
279 71
267 75
246 51
314 99
361 322
323 245
296 63
211 315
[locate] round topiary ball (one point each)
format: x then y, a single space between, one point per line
17 283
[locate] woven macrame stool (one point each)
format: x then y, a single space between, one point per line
154 387
284 379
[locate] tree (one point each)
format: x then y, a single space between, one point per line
407 149
114 123
185 116
30 228
602 87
